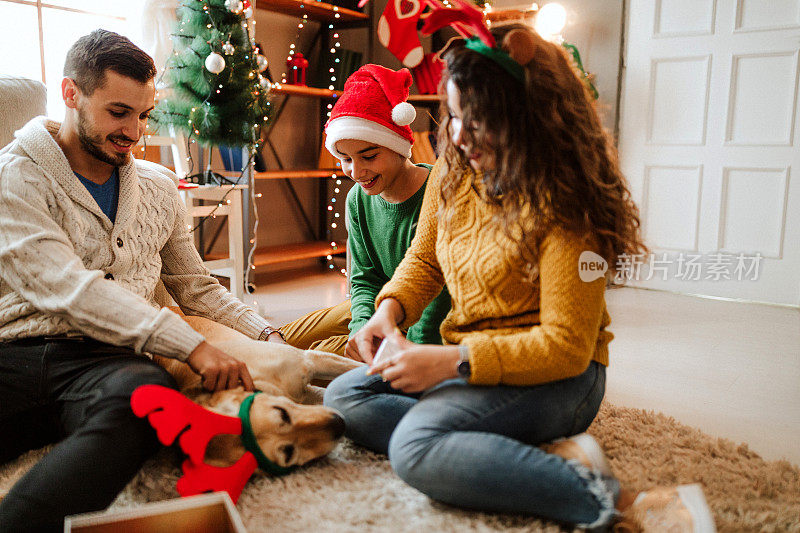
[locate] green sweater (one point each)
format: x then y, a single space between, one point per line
378 235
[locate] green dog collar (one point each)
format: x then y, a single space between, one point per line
250 443
498 56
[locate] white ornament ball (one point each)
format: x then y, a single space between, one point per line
265 84
403 114
262 62
248 12
235 6
228 49
215 63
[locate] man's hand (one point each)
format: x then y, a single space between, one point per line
219 370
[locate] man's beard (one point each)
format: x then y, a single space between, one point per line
92 143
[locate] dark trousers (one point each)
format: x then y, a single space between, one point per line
76 393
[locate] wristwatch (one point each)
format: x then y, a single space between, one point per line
269 330
463 368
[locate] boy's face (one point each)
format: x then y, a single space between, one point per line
372 166
111 120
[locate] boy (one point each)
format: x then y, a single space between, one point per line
369 132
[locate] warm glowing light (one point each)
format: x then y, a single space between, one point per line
550 20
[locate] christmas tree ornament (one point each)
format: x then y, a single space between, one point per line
397 30
265 84
215 63
234 6
248 9
297 65
263 64
228 49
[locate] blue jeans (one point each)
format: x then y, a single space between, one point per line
476 446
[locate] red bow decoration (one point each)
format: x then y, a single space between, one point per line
466 19
173 416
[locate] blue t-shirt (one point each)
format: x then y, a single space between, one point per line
106 195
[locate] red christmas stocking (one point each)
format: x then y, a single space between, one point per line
397 30
428 74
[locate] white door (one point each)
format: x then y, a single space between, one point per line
708 144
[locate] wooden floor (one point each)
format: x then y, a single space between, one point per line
730 369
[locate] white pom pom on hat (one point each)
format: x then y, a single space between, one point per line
373 108
403 114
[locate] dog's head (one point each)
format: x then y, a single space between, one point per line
288 433
293 434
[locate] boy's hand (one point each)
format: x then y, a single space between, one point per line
219 370
363 345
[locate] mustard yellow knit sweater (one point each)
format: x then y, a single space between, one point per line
519 331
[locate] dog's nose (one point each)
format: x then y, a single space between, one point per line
337 425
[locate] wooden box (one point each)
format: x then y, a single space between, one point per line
206 513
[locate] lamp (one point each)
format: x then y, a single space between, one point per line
550 21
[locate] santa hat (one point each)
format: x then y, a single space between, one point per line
373 108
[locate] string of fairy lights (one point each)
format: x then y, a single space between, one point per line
215 63
335 215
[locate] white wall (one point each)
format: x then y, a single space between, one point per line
595 27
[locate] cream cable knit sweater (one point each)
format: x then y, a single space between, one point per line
58 252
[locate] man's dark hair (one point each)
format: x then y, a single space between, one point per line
92 55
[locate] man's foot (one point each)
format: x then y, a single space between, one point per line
681 509
582 448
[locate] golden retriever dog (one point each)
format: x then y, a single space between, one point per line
288 422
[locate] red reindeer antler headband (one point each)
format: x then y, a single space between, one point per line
176 417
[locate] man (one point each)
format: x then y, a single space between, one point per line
86 232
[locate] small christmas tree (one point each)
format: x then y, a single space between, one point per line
214 92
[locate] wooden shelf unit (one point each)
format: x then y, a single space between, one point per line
506 15
282 253
303 90
342 18
317 11
328 16
314 92
315 173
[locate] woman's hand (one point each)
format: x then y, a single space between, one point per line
417 367
363 345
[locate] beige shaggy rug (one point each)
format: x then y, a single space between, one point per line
355 490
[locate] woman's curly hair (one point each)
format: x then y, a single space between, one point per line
553 164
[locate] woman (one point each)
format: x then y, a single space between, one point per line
527 185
